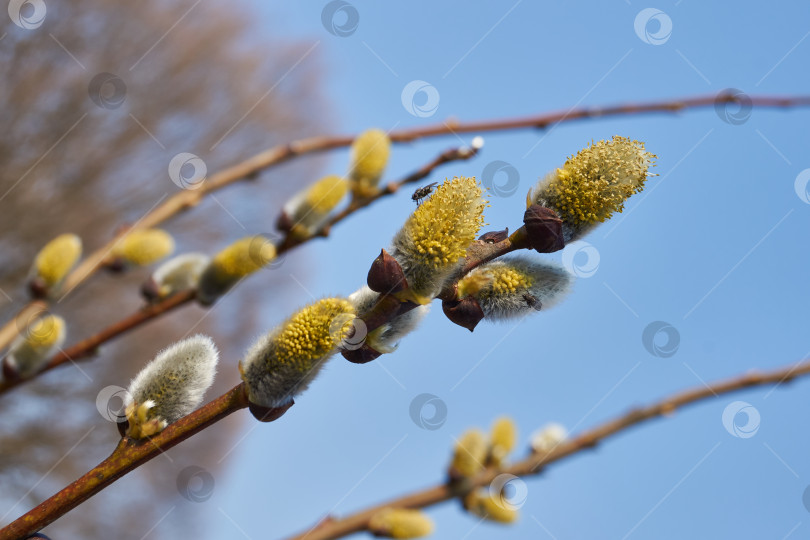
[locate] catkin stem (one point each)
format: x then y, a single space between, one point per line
127 456
534 464
184 200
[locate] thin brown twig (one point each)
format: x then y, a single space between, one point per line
187 199
535 463
130 454
127 456
86 348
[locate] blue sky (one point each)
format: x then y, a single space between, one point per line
714 248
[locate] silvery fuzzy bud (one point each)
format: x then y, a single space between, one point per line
170 386
386 338
31 350
179 273
548 438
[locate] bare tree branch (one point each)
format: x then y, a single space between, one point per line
130 454
86 348
186 199
535 463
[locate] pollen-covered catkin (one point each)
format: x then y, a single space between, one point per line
170 386
179 273
143 246
236 261
470 454
503 436
515 285
491 507
400 523
308 211
593 184
369 156
434 240
55 260
31 350
282 363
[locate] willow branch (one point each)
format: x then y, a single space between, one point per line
186 199
127 456
332 527
87 348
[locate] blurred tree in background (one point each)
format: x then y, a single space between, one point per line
94 106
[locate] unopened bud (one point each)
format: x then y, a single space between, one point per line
386 275
544 229
466 312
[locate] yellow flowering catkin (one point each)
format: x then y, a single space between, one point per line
369 156
485 505
516 285
400 523
594 183
236 261
282 363
503 436
308 211
144 246
55 260
433 242
31 350
470 454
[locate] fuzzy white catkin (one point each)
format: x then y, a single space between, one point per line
548 437
177 378
31 350
180 273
